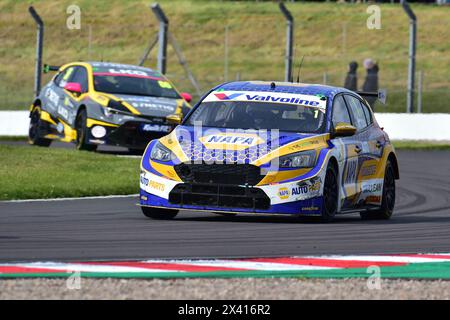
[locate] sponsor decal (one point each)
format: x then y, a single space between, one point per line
310 188
315 186
60 127
154 106
68 103
152 184
302 144
164 84
271 98
52 96
274 97
63 112
284 193
300 190
373 199
368 170
97 141
223 96
372 188
233 141
352 165
128 71
155 127
310 208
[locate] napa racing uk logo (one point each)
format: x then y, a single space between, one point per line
231 141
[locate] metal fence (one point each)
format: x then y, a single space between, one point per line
243 48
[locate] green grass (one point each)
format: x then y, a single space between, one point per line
28 172
421 145
13 138
122 29
32 172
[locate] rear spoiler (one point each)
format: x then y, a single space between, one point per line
381 95
48 68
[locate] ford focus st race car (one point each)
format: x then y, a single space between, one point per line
272 148
100 103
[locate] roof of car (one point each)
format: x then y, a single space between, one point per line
286 87
121 65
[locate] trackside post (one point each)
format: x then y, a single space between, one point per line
412 56
162 36
39 49
289 41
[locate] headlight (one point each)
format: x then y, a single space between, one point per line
303 159
161 153
115 107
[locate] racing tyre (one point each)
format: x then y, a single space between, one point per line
158 213
82 132
33 130
388 198
330 194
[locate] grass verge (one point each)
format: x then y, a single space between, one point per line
32 172
328 35
421 145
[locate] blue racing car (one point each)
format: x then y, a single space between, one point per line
272 148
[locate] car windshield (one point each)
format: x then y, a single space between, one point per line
134 85
258 115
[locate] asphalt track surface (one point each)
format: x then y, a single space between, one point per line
98 229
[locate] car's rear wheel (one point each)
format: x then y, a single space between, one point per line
388 197
330 194
159 213
34 137
82 132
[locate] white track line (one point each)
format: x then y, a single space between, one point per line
127 156
73 267
70 199
386 258
266 266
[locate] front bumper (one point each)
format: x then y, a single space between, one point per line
294 198
131 134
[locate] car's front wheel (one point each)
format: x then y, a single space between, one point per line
82 132
159 213
34 137
388 197
330 194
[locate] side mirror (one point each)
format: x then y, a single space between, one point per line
74 87
186 96
343 129
174 118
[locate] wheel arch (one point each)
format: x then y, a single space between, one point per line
80 108
334 162
36 103
393 159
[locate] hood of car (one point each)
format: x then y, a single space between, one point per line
151 106
238 146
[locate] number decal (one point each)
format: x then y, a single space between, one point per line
164 84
